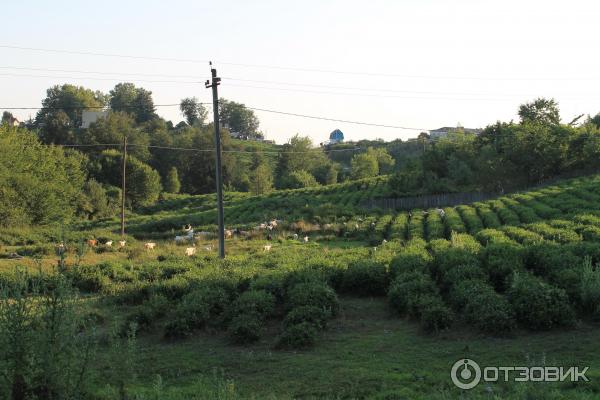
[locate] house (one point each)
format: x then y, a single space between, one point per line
336 136
445 131
89 117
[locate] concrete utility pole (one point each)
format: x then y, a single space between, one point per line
123 187
214 84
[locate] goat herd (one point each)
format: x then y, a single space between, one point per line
190 237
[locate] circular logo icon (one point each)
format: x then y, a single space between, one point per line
465 374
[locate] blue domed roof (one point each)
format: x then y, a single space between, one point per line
336 135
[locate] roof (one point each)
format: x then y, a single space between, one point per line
454 129
336 135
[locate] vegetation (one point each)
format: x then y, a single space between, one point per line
332 285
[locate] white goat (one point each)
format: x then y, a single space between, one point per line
267 247
190 251
150 245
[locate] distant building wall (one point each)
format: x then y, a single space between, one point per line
89 117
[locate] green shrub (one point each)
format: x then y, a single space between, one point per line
174 288
366 278
145 314
537 305
256 302
415 225
546 258
453 222
461 273
484 308
197 309
35 251
245 328
488 216
413 257
591 233
272 282
298 336
434 225
435 315
313 294
522 236
463 291
407 290
315 316
470 218
590 287
89 280
501 260
130 293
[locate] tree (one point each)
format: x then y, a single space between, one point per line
62 110
38 184
7 117
96 202
239 119
596 120
298 155
261 180
543 111
385 161
126 97
143 182
193 111
423 139
112 129
327 174
172 184
301 179
364 165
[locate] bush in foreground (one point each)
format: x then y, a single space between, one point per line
539 306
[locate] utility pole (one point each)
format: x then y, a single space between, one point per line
123 187
214 84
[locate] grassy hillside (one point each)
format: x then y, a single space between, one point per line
376 305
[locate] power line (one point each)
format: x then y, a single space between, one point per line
319 149
294 84
251 108
99 72
368 95
89 53
96 78
298 69
363 88
337 120
88 107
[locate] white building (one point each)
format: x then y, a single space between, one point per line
445 131
89 117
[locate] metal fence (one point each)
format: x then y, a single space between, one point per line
453 199
428 201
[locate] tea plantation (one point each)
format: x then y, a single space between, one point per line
372 304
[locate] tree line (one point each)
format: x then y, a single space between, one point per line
88 175
506 155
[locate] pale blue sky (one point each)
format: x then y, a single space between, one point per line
512 50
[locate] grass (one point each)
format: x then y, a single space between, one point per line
365 353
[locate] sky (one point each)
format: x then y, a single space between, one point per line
420 64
